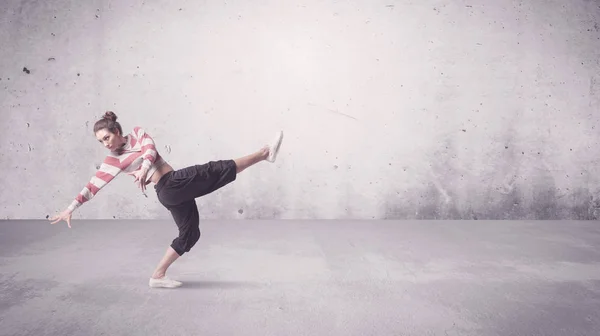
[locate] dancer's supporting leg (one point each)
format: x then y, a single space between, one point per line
169 257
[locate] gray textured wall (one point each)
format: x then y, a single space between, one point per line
391 109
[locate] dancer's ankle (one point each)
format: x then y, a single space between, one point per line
264 153
158 275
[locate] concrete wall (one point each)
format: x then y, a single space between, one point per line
391 109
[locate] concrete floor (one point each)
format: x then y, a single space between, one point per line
303 278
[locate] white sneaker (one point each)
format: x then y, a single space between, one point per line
164 282
274 147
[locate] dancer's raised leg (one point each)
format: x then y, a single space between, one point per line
252 159
269 153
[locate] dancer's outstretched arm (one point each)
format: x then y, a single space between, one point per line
106 173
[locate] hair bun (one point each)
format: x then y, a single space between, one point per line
110 115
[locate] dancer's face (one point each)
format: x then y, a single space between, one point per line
109 140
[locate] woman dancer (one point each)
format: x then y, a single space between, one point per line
135 154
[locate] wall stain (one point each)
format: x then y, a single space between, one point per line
592 91
585 205
515 197
264 212
334 111
399 208
544 204
428 203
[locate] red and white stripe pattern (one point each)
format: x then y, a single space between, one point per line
139 151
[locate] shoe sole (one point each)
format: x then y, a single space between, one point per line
276 148
162 286
158 285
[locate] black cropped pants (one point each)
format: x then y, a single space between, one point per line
177 191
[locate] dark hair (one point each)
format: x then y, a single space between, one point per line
109 121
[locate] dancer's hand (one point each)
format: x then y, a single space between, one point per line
65 215
140 178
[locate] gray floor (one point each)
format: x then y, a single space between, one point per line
303 278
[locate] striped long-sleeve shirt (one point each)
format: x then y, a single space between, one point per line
139 151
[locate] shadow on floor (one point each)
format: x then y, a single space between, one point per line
219 284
